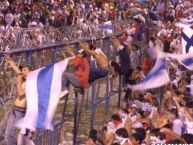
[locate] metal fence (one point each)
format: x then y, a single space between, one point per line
42 56
40 52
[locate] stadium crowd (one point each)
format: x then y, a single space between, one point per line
146 119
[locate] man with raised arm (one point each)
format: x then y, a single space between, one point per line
19 104
101 70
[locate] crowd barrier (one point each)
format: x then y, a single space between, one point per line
38 54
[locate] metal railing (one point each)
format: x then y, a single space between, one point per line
41 56
48 51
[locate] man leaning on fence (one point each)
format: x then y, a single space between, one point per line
78 78
101 70
19 107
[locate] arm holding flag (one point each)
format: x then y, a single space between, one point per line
13 64
43 87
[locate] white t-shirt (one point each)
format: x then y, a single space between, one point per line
189 126
177 126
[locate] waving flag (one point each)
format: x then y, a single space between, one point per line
106 25
187 38
43 88
184 59
156 78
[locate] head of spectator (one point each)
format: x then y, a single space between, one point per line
189 106
138 136
152 42
134 47
156 136
149 96
93 135
188 138
81 53
121 135
116 119
25 68
2 21
9 18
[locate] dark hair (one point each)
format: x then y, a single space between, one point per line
189 104
175 141
122 132
174 111
93 134
139 135
21 66
152 39
141 131
139 68
115 143
157 133
116 117
188 138
83 54
151 92
136 46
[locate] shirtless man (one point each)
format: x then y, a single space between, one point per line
19 103
101 60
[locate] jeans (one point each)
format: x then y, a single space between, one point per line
70 78
96 73
10 130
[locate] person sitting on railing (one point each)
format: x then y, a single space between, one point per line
19 106
79 78
124 65
101 68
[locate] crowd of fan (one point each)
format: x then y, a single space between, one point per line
146 119
18 14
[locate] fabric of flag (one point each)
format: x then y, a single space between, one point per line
184 59
106 25
43 87
157 77
187 38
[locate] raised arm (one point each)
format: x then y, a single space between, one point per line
85 46
13 65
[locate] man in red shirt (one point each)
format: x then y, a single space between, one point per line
79 78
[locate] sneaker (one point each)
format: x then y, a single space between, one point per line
63 94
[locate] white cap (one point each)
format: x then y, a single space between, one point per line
80 51
134 106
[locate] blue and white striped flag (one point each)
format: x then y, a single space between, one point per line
106 25
187 38
157 77
184 59
43 88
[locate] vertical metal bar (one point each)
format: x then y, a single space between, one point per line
62 120
29 57
140 51
93 107
75 118
119 93
54 57
52 137
107 81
